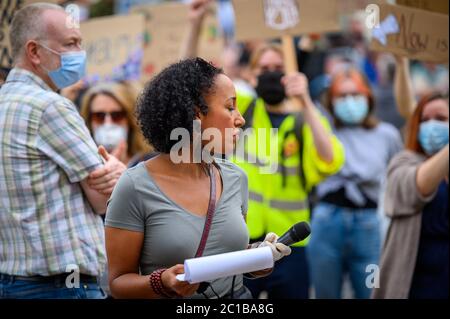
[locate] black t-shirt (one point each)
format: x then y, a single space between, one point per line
430 279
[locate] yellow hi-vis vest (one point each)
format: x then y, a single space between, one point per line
277 202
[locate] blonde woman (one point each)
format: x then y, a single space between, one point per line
108 110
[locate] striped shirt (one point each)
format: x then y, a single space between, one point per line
46 223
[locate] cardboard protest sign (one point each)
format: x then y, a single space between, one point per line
359 11
7 10
417 34
48 1
166 30
268 19
114 48
438 6
346 7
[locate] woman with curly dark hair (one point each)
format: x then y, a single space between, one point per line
160 212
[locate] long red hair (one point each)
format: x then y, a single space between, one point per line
411 139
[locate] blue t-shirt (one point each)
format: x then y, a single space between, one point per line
277 118
430 279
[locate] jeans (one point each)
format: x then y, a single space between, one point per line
13 288
289 279
343 241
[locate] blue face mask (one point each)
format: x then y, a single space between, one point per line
433 136
351 110
73 68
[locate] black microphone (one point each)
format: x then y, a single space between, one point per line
296 233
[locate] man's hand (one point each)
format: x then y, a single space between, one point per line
105 178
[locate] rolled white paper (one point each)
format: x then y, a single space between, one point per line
223 265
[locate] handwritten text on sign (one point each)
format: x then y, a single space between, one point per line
114 48
420 35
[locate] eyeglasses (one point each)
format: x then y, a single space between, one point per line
116 117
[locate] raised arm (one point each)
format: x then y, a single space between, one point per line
431 173
403 89
412 183
196 15
296 85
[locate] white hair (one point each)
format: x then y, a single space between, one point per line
28 24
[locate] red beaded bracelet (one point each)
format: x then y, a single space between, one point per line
156 283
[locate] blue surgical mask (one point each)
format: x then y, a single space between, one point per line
351 110
73 68
433 136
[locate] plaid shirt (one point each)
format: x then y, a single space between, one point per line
46 223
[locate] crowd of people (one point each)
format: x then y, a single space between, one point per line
355 143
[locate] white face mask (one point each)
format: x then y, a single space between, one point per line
110 135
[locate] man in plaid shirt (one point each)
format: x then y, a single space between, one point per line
54 185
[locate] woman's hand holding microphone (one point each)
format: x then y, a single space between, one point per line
279 251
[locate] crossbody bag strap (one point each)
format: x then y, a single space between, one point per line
210 213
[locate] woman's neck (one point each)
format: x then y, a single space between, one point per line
190 169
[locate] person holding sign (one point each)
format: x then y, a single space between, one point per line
160 213
308 153
53 183
415 259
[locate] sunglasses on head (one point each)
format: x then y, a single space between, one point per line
99 117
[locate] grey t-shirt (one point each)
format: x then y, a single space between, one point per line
171 233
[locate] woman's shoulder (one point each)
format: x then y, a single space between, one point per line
388 130
132 177
405 157
230 169
135 173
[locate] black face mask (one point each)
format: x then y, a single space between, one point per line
270 88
